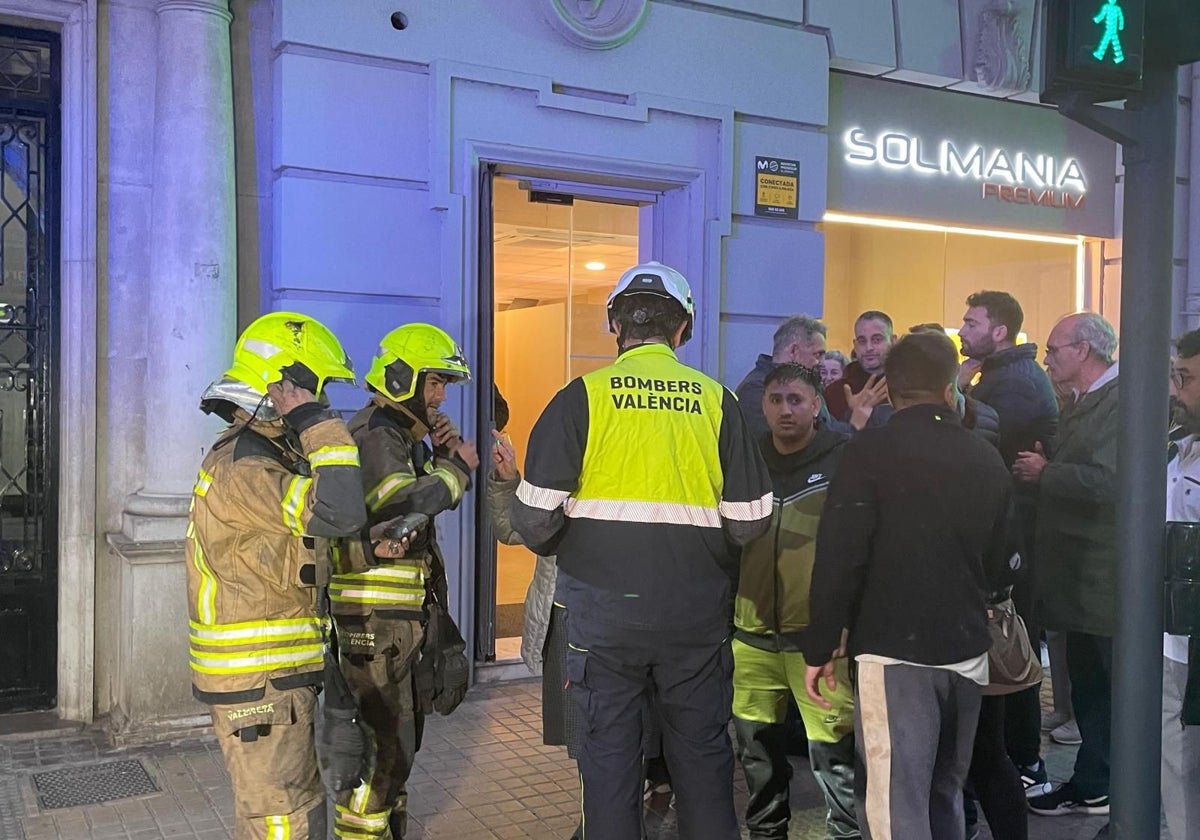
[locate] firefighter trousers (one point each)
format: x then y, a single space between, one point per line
377 657
272 761
614 672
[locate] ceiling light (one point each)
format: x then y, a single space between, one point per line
595 265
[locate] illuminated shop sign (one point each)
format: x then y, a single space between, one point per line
927 154
1039 180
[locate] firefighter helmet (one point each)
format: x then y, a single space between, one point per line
654 278
407 352
277 346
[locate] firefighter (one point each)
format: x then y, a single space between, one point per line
284 474
381 610
639 475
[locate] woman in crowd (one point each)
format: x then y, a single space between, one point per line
833 366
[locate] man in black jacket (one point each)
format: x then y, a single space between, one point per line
874 335
914 534
1010 378
1015 385
800 340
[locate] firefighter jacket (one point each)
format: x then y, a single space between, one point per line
262 497
639 476
771 610
400 475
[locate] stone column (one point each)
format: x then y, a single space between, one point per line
191 302
186 309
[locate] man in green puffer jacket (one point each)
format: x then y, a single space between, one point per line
771 615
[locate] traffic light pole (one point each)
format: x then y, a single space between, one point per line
1147 131
1146 276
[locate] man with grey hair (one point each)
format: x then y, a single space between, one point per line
1076 543
800 340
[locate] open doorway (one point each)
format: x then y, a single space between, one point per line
556 257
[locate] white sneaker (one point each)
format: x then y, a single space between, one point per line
1066 734
1054 720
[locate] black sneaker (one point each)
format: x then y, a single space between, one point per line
1066 800
1035 780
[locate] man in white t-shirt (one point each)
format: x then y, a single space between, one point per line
1180 745
914 535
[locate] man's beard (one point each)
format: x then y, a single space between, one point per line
1182 417
981 349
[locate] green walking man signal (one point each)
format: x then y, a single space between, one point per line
1094 49
1112 18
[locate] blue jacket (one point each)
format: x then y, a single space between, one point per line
1012 382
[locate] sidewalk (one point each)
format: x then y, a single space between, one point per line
481 773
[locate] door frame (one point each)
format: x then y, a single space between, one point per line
672 230
75 21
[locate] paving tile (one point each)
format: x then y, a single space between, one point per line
150 834
482 773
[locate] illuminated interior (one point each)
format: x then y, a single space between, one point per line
919 273
554 267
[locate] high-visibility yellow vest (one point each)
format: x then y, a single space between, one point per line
653 427
639 476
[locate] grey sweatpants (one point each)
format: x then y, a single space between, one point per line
1181 759
916 729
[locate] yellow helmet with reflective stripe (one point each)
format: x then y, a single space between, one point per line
407 352
276 346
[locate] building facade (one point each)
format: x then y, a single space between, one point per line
375 163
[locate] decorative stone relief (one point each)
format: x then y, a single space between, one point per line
596 24
998 52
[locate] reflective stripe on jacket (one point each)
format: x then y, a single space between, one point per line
400 475
255 509
636 475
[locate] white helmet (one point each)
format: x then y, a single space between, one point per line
654 278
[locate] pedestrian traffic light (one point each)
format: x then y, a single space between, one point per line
1093 48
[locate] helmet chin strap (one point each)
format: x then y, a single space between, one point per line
406 408
247 423
415 405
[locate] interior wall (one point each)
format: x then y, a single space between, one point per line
1040 275
531 347
592 345
920 276
896 271
523 335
